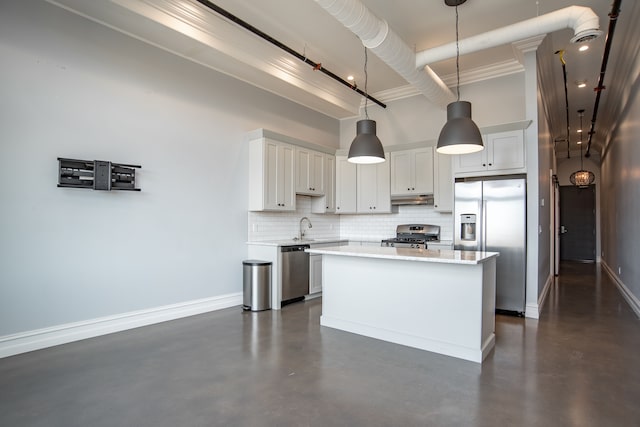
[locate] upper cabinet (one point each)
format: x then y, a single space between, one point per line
327 203
504 153
412 172
442 183
271 175
310 172
373 188
346 175
362 188
281 166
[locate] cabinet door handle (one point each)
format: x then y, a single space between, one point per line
408 189
490 164
484 164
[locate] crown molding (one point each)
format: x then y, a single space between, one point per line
473 75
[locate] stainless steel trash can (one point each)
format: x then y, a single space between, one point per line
256 286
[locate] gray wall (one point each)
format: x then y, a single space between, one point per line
545 198
620 167
73 88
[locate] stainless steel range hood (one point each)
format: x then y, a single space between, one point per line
413 199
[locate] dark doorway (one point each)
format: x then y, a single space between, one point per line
578 223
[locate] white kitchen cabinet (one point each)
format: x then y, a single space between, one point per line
504 152
310 172
271 176
412 172
346 188
362 188
315 273
443 183
327 203
374 188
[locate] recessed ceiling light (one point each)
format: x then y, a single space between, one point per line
579 142
583 47
581 84
579 130
350 78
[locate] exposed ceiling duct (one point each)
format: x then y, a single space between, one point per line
389 47
583 21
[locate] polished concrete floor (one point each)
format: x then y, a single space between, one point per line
577 366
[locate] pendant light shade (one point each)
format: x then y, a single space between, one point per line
460 135
366 148
582 178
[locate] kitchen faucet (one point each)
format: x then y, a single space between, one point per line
301 233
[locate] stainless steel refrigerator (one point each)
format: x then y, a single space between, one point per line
490 215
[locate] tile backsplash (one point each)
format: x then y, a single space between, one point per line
383 226
285 225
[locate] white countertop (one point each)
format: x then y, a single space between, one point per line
289 242
407 254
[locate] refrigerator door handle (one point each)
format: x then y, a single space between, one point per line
483 231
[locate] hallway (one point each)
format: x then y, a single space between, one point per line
577 366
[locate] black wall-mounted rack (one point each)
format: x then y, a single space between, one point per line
96 175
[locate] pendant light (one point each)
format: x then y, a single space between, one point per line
582 178
366 148
460 135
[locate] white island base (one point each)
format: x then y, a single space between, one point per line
439 301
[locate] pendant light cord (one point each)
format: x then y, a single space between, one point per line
581 112
366 78
457 57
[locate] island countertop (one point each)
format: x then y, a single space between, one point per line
407 254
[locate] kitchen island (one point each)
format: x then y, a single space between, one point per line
436 300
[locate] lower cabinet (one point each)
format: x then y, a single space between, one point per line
315 273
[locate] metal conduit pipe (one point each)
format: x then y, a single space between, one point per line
613 19
316 65
582 20
389 47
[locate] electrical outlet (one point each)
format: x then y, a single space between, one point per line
619 271
541 202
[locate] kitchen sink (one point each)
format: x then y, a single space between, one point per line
304 239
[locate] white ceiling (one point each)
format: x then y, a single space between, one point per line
304 26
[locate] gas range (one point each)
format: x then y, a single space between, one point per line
414 236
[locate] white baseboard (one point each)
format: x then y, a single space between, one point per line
61 334
633 301
532 311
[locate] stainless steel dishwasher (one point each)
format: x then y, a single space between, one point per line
295 273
